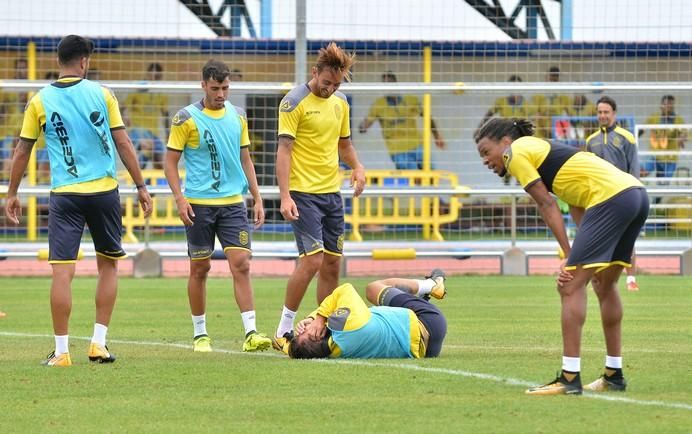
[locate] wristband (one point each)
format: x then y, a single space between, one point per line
140 186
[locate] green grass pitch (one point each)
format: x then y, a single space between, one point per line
504 335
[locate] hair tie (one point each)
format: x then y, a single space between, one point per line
514 124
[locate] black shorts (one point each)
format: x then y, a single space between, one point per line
428 314
67 215
229 223
320 225
608 231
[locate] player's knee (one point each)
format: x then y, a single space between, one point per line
200 269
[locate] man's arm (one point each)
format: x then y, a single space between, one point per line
365 124
253 186
439 141
348 154
170 170
551 214
633 160
20 159
289 210
129 158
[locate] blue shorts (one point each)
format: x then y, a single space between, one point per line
427 313
608 231
229 223
67 215
320 227
410 160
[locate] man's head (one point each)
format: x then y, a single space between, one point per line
554 74
215 83
302 347
154 72
74 52
21 69
606 109
236 75
332 67
388 77
668 105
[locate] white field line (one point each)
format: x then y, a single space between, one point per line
556 348
403 366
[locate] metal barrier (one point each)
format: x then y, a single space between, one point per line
386 209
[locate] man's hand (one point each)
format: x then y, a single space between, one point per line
289 209
358 181
563 276
258 212
13 209
185 211
145 201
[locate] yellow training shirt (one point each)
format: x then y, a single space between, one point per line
579 178
398 117
316 125
184 133
35 120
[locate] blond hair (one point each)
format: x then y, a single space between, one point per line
336 59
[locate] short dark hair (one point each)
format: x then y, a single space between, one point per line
74 47
309 349
498 128
390 75
605 99
513 78
670 98
155 67
554 70
216 70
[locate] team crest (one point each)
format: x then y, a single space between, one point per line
243 237
337 111
507 157
340 242
617 141
285 105
176 120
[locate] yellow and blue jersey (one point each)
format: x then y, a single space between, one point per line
77 117
398 118
145 110
361 332
666 140
316 125
211 141
579 178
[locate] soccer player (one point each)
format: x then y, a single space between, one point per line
398 117
212 136
402 324
83 129
617 146
609 207
663 166
314 133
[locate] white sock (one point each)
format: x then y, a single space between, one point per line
249 321
199 322
99 337
614 362
425 286
571 364
631 279
61 344
286 323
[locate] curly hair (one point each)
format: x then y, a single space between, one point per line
498 128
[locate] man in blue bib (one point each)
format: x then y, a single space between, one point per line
83 131
212 136
402 324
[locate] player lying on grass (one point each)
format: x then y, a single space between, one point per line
402 324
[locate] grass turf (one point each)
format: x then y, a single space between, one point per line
503 335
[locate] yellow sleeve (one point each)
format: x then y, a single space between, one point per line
519 165
31 125
345 122
116 119
345 302
374 112
180 133
289 118
244 133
